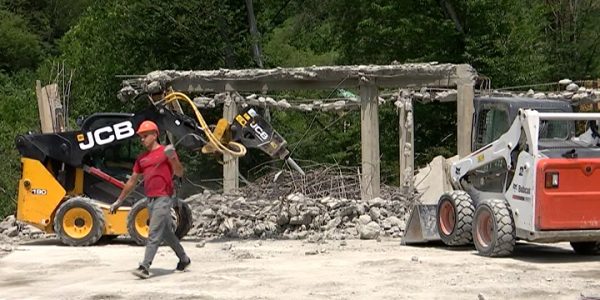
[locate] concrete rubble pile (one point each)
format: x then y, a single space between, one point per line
297 215
568 90
13 232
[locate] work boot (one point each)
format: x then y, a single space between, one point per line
142 272
181 265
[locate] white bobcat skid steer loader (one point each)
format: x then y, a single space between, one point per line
537 182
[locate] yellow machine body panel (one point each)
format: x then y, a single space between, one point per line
78 189
39 195
114 224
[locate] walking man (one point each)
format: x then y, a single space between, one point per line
156 166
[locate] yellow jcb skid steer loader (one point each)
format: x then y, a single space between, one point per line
69 179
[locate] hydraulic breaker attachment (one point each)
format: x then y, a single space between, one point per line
253 131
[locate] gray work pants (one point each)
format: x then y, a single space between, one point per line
161 229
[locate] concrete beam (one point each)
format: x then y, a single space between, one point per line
369 136
325 77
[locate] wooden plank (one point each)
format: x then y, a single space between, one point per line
56 110
43 109
464 114
369 136
231 172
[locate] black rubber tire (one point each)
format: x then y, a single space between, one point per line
586 248
463 218
185 220
501 240
182 218
97 222
135 209
107 239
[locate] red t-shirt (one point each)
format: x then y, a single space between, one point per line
157 171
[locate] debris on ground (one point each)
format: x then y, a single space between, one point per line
14 232
226 247
321 205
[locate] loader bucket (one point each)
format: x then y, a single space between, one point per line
422 226
431 182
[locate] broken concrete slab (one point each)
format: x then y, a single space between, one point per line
369 231
432 180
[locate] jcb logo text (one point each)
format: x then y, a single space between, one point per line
106 135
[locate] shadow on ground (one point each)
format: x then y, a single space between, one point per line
527 252
549 253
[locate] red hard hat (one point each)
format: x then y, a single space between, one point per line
147 126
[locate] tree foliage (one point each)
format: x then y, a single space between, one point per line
19 115
150 35
19 48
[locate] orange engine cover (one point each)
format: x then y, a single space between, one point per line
575 203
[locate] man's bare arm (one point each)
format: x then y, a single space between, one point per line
174 160
177 167
129 186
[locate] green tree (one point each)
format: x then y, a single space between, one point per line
287 46
48 20
136 37
382 31
18 115
504 40
19 48
573 28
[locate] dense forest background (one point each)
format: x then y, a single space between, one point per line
513 42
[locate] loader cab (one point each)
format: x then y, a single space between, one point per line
115 159
492 118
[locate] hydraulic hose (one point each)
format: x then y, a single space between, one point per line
212 139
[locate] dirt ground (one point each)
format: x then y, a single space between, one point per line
297 270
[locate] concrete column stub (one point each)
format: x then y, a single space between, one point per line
369 136
464 114
231 177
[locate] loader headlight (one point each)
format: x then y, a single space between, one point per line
552 180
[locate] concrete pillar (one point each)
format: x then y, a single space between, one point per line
464 114
231 171
369 136
407 142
